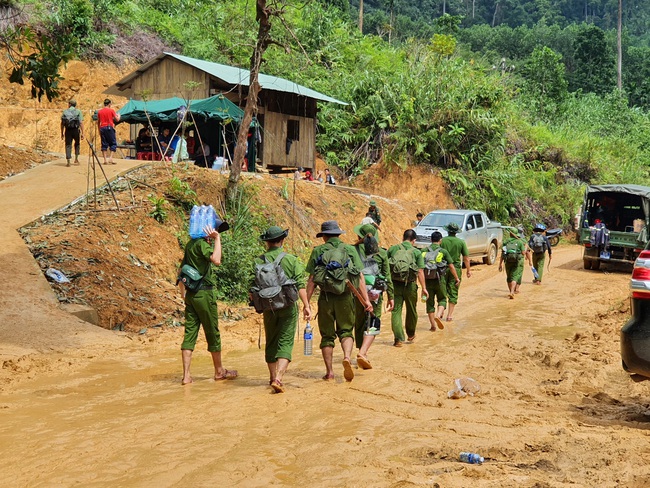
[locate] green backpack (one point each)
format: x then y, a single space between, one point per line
435 265
403 265
333 269
511 251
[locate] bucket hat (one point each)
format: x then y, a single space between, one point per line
452 227
373 203
330 228
362 230
273 233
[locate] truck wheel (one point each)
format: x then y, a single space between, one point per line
586 263
491 257
595 265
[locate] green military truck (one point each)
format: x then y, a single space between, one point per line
614 224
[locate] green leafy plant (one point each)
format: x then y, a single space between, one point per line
180 192
159 211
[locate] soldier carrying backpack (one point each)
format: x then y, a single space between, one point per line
279 282
540 245
436 273
406 267
514 250
72 129
335 266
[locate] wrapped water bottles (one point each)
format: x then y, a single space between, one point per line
205 216
195 230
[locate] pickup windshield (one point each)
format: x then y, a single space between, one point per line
442 219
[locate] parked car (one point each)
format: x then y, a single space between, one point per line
482 236
635 334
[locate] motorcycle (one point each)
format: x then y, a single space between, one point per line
554 236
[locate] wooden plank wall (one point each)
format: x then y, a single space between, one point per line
166 79
274 137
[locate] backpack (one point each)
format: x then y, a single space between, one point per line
403 265
272 289
333 269
537 243
435 265
190 277
71 118
511 251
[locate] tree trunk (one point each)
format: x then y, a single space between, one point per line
619 46
263 41
361 16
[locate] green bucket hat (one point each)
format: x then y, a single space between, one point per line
373 203
273 233
362 230
452 227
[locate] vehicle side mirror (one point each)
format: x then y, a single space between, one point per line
469 227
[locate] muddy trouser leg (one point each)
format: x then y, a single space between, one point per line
411 303
396 314
539 258
280 330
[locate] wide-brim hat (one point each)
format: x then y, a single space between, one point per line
452 227
273 233
373 203
330 228
362 230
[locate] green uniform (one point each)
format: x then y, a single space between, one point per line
201 306
515 269
539 258
360 312
457 248
437 288
406 295
376 216
280 325
335 312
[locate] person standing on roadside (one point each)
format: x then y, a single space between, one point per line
280 325
376 273
437 261
513 253
335 266
106 120
406 268
373 212
539 246
203 254
72 129
457 248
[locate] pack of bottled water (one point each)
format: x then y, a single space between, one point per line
201 217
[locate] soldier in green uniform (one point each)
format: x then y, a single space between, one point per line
336 310
377 276
437 286
201 305
373 210
513 253
457 248
280 325
406 288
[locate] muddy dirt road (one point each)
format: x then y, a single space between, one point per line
555 407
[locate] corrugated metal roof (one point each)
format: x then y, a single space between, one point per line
235 76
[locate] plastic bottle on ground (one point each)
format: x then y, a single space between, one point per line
308 338
471 458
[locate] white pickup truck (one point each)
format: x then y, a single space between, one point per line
483 237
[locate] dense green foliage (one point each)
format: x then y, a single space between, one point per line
514 103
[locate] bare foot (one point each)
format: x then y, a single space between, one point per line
433 329
328 376
187 381
228 374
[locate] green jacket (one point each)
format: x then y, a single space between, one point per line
335 242
197 255
457 248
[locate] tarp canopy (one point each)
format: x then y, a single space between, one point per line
216 107
642 191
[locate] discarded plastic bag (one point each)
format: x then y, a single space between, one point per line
56 275
464 387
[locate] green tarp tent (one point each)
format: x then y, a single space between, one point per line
217 107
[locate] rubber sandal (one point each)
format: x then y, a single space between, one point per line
277 386
348 372
228 374
439 323
363 363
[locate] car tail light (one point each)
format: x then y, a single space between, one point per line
640 283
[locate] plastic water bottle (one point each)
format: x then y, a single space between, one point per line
308 340
535 273
471 458
203 219
212 217
194 222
